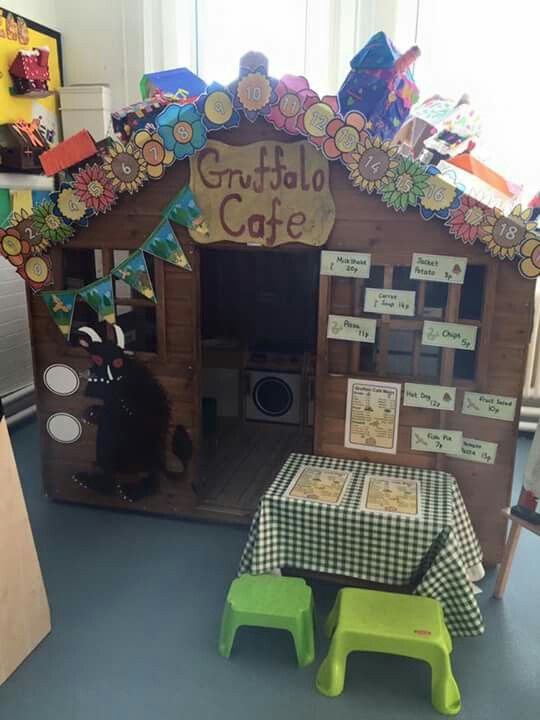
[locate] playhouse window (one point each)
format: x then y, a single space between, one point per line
472 293
81 267
139 326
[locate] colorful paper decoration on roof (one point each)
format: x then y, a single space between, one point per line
216 108
61 305
94 188
372 163
255 91
23 223
99 295
183 210
164 244
404 185
134 271
138 116
439 196
175 84
293 98
153 150
343 136
181 129
70 207
36 271
467 219
504 234
125 168
314 121
49 223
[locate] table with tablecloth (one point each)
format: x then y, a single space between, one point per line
437 553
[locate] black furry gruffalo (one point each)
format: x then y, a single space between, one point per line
132 421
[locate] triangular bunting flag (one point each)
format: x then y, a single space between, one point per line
99 295
61 305
164 244
134 272
183 210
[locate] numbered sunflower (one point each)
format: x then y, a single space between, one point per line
70 207
181 129
37 272
294 96
49 225
439 195
404 185
93 187
154 152
529 267
465 221
371 164
504 234
314 121
125 167
23 223
216 108
342 136
13 247
254 92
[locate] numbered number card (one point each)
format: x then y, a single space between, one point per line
498 407
477 451
438 268
436 440
355 329
356 265
392 302
449 335
434 397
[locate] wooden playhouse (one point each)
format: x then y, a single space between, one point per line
310 269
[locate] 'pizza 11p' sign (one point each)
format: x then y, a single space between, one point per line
266 193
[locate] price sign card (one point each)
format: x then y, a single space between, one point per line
392 496
372 416
434 397
343 327
438 268
356 265
392 302
497 407
477 451
449 335
435 440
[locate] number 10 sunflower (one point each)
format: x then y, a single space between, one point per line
125 167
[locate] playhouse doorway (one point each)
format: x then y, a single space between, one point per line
258 337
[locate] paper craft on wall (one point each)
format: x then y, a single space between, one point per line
99 295
405 184
439 196
503 234
372 415
61 379
436 440
390 302
184 210
338 264
216 107
61 305
294 97
477 451
164 244
64 428
372 163
254 92
134 271
355 329
449 335
498 407
434 397
438 268
36 271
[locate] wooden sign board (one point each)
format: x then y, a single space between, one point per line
498 407
449 335
477 451
436 440
346 327
24 611
435 397
391 302
372 416
355 265
266 193
438 268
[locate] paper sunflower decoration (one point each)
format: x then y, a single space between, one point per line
294 96
465 221
439 195
314 121
529 267
37 272
404 185
371 164
125 167
51 225
93 187
70 207
503 234
181 129
254 92
23 223
342 136
154 152
216 108
13 247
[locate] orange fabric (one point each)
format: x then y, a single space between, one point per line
477 168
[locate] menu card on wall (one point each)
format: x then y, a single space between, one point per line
498 407
392 302
341 264
372 418
319 485
344 327
435 397
449 335
436 440
477 451
438 268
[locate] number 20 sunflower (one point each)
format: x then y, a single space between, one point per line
125 167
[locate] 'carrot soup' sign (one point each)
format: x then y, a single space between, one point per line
266 193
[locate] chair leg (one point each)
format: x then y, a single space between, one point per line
331 676
445 696
508 558
303 635
332 619
229 626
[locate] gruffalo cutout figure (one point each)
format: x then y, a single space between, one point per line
132 421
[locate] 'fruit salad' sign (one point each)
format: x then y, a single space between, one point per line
266 193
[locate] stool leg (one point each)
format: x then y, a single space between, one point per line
331 676
508 558
229 626
332 619
304 642
445 696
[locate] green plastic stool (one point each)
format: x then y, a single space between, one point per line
270 601
372 621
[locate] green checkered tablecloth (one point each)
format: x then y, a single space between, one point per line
438 553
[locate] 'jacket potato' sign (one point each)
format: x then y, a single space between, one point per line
266 193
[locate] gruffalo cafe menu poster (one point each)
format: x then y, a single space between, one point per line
266 193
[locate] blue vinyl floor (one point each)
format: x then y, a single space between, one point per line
136 604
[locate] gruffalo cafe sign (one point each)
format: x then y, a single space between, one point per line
266 193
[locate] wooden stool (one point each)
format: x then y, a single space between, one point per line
510 549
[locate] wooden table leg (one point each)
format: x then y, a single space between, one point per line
508 557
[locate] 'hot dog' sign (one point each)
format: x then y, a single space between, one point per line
266 193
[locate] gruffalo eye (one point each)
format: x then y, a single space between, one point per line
118 363
97 360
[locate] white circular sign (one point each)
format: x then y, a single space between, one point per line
61 379
64 428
